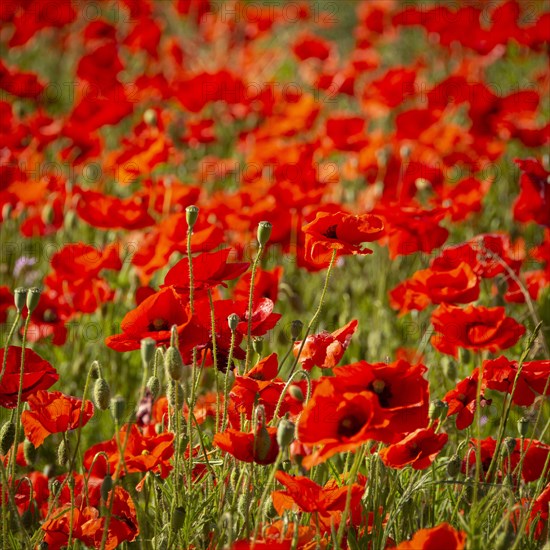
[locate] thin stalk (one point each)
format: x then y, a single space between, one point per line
250 308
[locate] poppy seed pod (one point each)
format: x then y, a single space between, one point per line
258 345
264 232
147 350
117 406
191 215
106 486
523 427
285 433
173 363
438 410
33 297
29 452
102 394
178 518
7 437
233 321
154 386
20 298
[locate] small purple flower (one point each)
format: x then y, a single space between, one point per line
23 268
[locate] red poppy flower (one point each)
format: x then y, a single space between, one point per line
500 374
247 447
339 420
310 46
38 375
153 318
325 349
400 388
341 232
539 513
436 538
533 203
6 303
458 285
474 328
263 318
49 319
418 449
53 412
462 400
143 452
266 285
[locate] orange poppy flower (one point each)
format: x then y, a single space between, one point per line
436 538
341 232
418 449
247 447
53 412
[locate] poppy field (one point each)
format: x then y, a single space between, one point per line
275 274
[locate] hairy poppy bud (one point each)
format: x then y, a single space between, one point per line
20 298
7 437
296 393
296 329
264 232
178 518
262 443
285 433
106 486
117 405
63 453
102 394
233 321
523 427
173 363
453 466
154 386
147 350
29 452
33 297
258 345
174 394
191 215
438 410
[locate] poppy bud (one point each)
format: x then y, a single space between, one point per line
175 394
7 437
33 297
28 517
438 410
233 321
159 428
449 369
453 466
173 363
262 443
178 518
285 433
63 453
43 545
49 470
150 117
191 215
258 345
147 350
47 214
264 232
117 405
102 394
70 220
243 503
29 452
296 392
296 329
7 209
509 446
55 485
523 427
154 386
106 486
20 298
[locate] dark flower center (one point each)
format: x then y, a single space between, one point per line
49 316
382 390
158 324
350 425
331 232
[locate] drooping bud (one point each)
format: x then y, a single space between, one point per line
117 406
264 232
29 452
258 345
106 486
296 393
63 453
173 363
523 426
438 410
178 519
285 433
20 298
7 437
191 215
233 321
154 386
453 466
102 394
33 297
148 346
296 329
